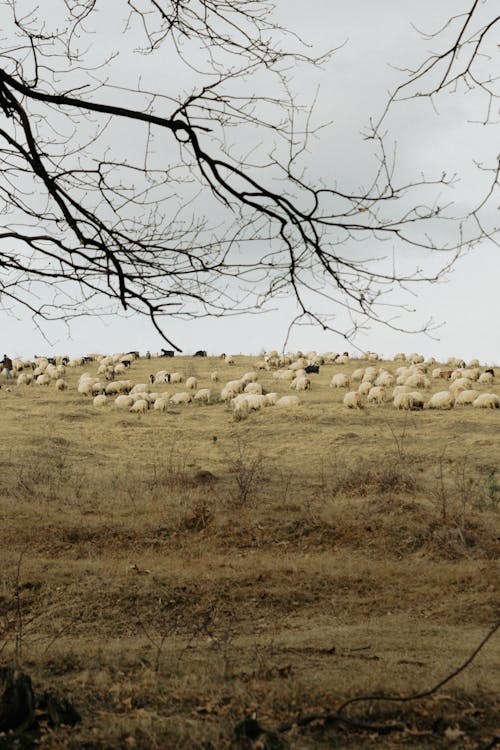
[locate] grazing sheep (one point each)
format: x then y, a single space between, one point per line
284 375
255 401
61 385
271 398
25 378
487 401
98 388
229 360
43 379
385 378
286 402
140 388
100 400
301 384
466 397
339 380
377 394
160 404
411 401
214 377
176 377
180 398
441 400
365 387
249 377
418 380
485 377
357 375
140 406
253 388
230 390
461 384
124 402
352 400
370 375
203 395
342 360
192 383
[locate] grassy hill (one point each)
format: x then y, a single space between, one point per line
173 573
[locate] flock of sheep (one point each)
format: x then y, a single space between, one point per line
373 383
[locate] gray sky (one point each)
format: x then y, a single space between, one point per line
352 88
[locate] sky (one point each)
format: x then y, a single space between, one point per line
374 39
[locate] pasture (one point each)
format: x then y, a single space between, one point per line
175 573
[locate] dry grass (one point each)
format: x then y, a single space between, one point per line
173 573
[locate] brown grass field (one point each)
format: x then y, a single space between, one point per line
175 573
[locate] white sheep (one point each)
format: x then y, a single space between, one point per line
466 397
100 400
284 375
385 379
286 402
203 395
487 401
214 377
43 379
441 400
418 380
254 401
377 394
176 377
192 383
352 400
124 402
140 388
140 406
160 404
271 398
365 387
301 384
180 398
408 400
25 378
357 375
485 378
249 377
61 385
461 384
339 380
253 388
230 390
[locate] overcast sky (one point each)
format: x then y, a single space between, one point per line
352 87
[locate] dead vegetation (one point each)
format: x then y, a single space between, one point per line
180 576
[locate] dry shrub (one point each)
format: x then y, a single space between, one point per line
363 480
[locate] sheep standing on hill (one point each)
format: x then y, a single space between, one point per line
377 394
203 395
301 384
465 397
339 380
180 398
288 402
441 400
487 401
192 383
140 406
352 400
411 401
